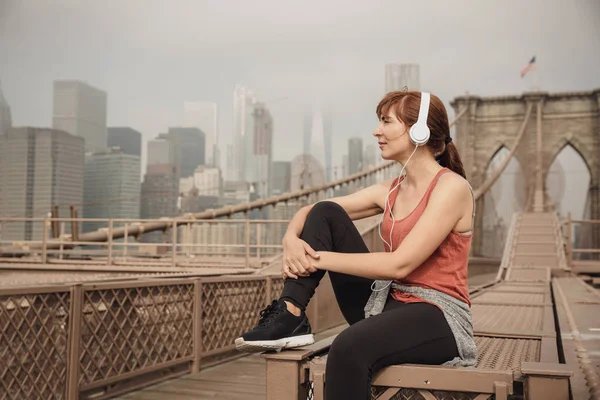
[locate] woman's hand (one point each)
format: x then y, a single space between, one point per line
296 261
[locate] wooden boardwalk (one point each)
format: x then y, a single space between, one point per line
241 379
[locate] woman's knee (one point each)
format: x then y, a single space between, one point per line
344 350
326 209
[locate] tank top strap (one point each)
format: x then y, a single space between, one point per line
446 171
434 182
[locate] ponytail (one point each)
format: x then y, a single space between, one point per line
451 160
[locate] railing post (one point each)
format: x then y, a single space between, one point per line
258 241
174 242
268 285
110 241
125 240
188 231
73 366
569 240
247 241
60 240
45 241
197 315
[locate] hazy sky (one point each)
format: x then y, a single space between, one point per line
151 56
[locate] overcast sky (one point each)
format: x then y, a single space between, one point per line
151 56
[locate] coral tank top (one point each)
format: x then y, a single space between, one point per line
446 270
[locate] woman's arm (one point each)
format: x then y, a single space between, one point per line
361 204
449 202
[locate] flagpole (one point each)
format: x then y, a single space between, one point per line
535 78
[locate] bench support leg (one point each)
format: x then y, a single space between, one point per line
546 388
283 381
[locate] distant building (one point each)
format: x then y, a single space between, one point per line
160 191
262 150
370 156
208 181
281 177
5 115
189 145
306 172
112 187
317 138
127 139
39 168
203 116
355 155
161 151
399 76
80 110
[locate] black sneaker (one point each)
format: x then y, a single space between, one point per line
277 329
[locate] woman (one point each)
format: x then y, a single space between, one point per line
409 304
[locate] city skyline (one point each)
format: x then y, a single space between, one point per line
344 66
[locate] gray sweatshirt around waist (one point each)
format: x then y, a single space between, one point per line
457 313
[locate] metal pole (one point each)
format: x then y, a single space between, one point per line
125 242
569 241
45 241
110 241
75 320
258 241
60 240
247 241
174 242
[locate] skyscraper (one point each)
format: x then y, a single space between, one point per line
241 167
161 151
203 116
5 116
355 155
189 148
369 156
111 187
127 139
262 151
317 138
398 76
160 191
39 168
80 110
281 177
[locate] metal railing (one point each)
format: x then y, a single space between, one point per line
591 253
100 339
191 243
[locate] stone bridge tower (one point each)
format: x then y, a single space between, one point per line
556 120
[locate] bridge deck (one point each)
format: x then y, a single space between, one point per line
243 378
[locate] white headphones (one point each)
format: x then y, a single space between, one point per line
419 132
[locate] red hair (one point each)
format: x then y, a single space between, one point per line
405 105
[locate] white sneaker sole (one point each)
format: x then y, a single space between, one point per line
264 345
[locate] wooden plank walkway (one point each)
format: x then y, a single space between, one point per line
243 378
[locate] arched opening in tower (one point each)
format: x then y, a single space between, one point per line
506 196
567 185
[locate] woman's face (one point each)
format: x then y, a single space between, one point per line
392 136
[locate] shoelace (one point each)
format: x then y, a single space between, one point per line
269 313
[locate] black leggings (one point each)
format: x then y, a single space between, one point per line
403 333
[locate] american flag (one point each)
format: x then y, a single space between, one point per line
528 67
